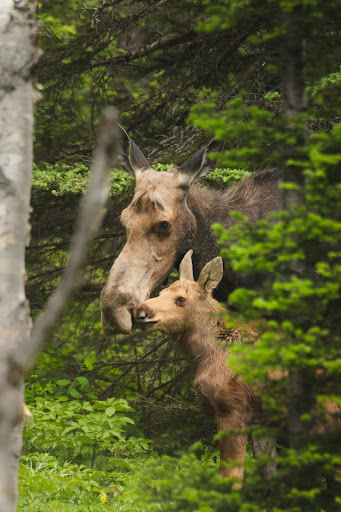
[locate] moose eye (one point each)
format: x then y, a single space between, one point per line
180 301
163 227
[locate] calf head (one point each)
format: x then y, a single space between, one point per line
159 228
182 306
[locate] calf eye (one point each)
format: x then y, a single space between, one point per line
180 301
163 227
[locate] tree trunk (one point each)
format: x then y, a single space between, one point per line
17 35
300 381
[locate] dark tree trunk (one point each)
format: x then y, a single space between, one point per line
301 397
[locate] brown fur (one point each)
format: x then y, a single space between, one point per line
149 255
187 312
205 340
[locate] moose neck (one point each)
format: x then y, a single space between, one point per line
254 197
200 345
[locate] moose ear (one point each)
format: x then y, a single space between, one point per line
132 158
211 275
186 267
197 166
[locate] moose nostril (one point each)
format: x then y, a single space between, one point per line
140 314
143 313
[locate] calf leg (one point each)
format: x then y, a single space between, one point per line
232 446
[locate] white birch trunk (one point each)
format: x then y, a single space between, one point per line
17 56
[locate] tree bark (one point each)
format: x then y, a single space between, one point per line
17 57
294 96
301 398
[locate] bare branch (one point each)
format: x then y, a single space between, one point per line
89 218
167 40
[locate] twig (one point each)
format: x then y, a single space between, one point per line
88 221
167 40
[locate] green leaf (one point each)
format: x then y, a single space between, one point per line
63 382
73 392
110 411
83 381
88 362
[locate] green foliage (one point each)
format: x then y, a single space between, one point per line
86 450
87 424
65 179
188 483
297 254
47 485
220 178
191 483
77 454
256 136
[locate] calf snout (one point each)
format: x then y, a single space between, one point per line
144 314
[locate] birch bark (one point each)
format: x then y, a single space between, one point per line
17 57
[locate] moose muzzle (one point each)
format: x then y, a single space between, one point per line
144 317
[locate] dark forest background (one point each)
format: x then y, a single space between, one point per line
116 422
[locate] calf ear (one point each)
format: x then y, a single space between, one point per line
132 158
211 275
197 166
186 267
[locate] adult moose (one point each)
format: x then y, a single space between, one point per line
169 215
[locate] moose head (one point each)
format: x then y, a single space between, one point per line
160 228
186 305
168 215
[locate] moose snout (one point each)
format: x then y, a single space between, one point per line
143 314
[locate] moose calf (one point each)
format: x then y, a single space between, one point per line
186 311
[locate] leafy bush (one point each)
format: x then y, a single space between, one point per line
64 179
77 454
